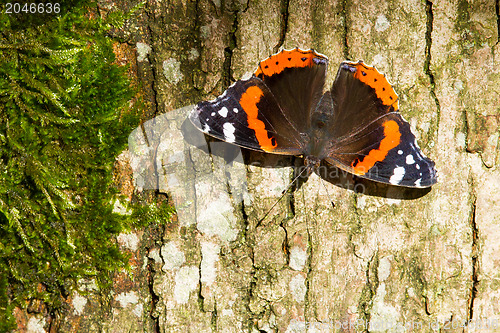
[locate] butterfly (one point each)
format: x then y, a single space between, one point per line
355 126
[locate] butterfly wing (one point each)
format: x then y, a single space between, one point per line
371 139
296 78
270 111
247 115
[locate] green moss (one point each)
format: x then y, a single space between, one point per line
63 121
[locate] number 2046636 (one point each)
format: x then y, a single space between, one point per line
32 8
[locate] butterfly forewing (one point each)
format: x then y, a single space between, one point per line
296 78
236 117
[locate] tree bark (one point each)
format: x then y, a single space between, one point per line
380 260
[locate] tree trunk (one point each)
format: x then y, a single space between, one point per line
382 259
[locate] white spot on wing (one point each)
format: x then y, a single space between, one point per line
397 176
223 112
235 110
229 132
417 166
417 182
212 114
205 128
410 159
400 152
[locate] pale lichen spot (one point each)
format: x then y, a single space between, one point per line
209 258
172 256
36 325
138 310
492 140
78 303
205 31
121 208
128 240
142 51
382 23
460 140
380 60
155 255
384 268
458 85
186 281
127 298
381 311
217 218
172 70
298 258
193 54
298 287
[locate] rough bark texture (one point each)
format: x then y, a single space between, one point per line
388 256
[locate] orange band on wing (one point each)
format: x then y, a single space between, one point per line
392 139
377 81
287 59
248 102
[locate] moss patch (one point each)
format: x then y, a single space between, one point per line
64 117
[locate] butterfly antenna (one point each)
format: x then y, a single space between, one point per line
282 195
327 193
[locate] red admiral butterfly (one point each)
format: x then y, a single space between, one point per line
355 126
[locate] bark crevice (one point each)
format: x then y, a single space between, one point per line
344 15
284 24
152 60
474 263
247 299
497 7
153 313
428 54
307 302
370 289
227 76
